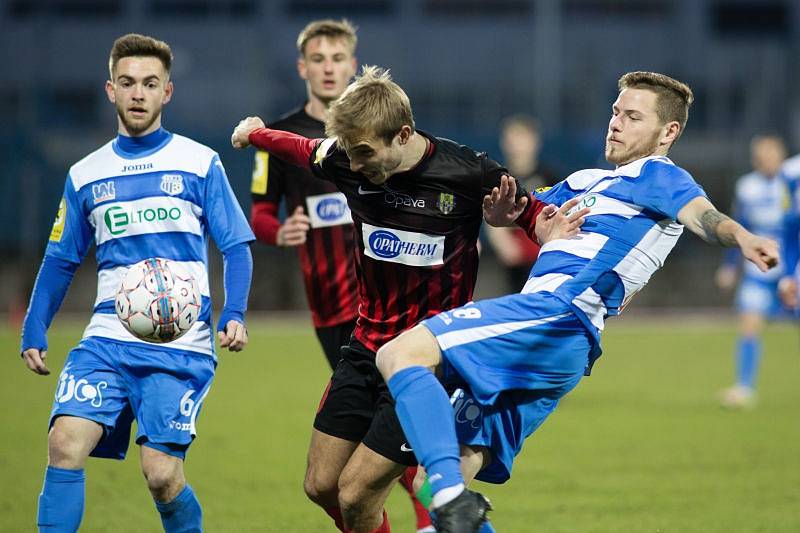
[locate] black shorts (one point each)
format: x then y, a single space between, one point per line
333 339
357 406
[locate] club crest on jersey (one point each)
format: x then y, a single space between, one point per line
172 184
446 202
103 192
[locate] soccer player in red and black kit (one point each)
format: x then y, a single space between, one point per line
319 225
417 204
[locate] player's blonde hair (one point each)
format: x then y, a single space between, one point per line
136 45
372 105
329 28
673 97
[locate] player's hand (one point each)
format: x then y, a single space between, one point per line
295 228
725 277
500 207
559 223
760 251
234 338
34 360
787 290
241 134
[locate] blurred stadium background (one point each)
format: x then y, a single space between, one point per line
670 463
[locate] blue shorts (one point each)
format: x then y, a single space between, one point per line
760 297
514 357
113 383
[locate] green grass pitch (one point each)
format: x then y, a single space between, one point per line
640 446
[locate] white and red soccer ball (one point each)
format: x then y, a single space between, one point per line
158 300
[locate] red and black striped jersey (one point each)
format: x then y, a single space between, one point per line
416 234
327 258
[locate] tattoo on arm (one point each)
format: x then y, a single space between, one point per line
710 220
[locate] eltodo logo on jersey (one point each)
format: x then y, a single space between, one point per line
404 247
172 184
80 390
118 220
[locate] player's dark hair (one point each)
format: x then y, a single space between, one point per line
136 45
332 29
673 97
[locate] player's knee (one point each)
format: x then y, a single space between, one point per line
352 501
320 490
390 358
69 445
164 478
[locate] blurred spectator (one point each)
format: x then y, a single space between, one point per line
759 204
520 142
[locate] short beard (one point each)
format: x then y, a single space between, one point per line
136 129
645 151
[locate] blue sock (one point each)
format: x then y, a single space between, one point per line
748 355
61 500
426 415
183 514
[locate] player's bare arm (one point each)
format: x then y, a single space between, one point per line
240 138
702 218
500 207
295 229
35 361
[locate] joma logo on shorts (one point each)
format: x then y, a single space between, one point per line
180 426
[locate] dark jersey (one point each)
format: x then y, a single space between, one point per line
327 258
416 234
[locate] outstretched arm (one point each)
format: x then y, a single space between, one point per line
700 216
290 147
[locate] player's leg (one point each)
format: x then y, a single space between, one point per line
344 416
754 300
167 389
175 500
423 408
364 485
423 519
90 416
61 501
327 457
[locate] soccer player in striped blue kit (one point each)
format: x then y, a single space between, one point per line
514 357
759 204
146 193
788 284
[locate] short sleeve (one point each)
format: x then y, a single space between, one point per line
665 188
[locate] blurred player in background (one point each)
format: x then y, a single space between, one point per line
417 205
516 356
789 284
759 204
520 142
112 378
320 225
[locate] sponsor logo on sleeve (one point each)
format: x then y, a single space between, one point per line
172 184
328 210
404 247
323 149
260 173
59 222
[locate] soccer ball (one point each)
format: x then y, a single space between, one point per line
158 300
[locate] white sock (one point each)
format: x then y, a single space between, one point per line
446 495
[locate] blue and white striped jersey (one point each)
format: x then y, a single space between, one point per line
158 200
759 205
626 237
791 223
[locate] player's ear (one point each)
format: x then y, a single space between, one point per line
110 92
670 132
404 134
168 90
302 68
